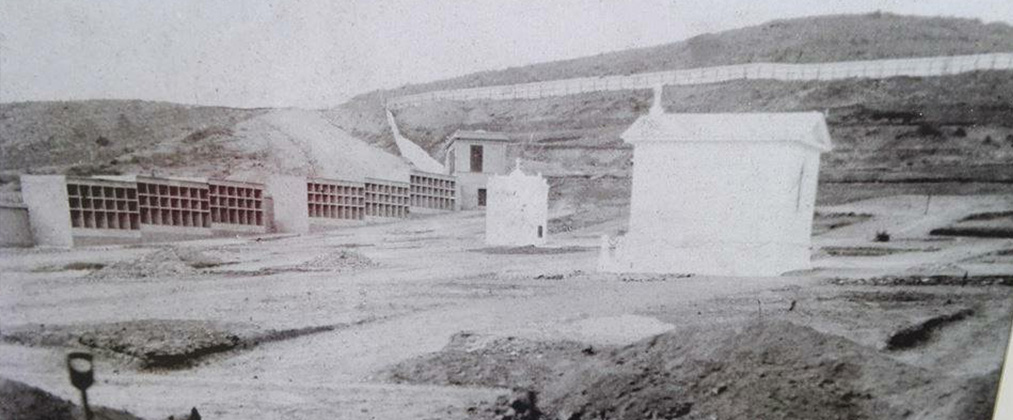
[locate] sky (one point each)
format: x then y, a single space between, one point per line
319 53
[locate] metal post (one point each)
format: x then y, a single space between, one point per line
88 414
82 376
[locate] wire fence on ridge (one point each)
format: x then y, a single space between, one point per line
872 69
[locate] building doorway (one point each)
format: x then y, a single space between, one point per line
481 197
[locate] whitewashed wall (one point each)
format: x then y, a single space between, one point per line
517 210
738 208
288 194
45 196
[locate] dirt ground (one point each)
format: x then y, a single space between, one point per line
314 325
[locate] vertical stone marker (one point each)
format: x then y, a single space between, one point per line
48 209
720 194
517 210
289 197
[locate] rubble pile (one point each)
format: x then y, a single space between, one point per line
769 370
165 262
341 259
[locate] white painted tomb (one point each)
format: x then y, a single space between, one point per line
720 194
517 210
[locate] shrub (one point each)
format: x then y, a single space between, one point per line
202 134
882 236
928 130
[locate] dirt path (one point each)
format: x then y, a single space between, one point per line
911 216
345 359
431 280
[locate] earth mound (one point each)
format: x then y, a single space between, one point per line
770 369
19 401
773 370
165 262
501 362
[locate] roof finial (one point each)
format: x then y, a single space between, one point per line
656 108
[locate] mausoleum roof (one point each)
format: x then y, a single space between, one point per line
134 178
808 128
478 135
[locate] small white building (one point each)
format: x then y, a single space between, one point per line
473 157
720 194
517 210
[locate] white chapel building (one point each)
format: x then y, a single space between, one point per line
720 194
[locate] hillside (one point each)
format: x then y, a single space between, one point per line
956 128
112 137
801 40
950 120
939 135
599 118
902 135
90 134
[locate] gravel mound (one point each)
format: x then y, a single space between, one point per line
153 343
158 344
479 360
164 262
926 280
939 269
341 259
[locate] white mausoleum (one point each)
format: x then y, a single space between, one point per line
720 194
517 210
